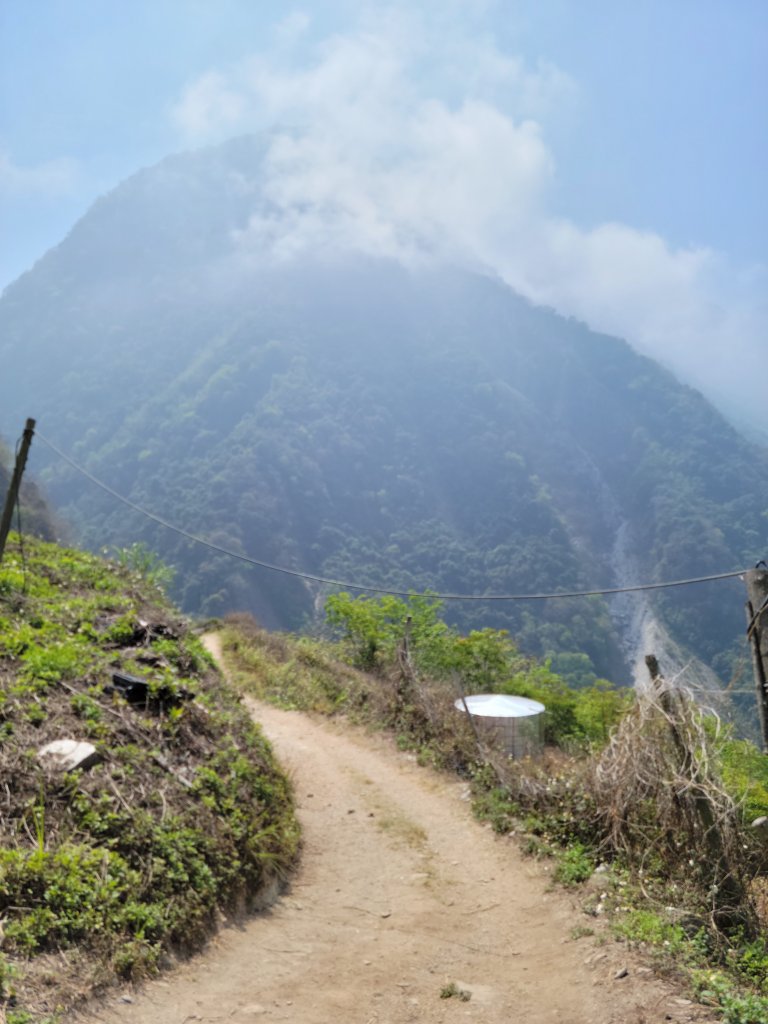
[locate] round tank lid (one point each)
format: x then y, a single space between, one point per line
500 705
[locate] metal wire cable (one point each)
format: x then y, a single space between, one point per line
377 590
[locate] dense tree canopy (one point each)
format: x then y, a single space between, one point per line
408 429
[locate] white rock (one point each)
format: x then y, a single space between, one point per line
70 754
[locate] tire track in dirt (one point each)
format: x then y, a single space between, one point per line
400 893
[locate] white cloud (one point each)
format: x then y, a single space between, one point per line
401 143
434 191
209 108
685 307
52 178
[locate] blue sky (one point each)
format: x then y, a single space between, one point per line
606 158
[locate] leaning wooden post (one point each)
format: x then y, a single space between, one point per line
407 679
13 488
757 634
470 717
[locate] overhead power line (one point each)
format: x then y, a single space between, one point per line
364 587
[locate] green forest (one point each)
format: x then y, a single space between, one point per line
407 429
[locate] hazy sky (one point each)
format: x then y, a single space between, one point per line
606 158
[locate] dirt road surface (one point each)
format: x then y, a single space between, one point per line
401 898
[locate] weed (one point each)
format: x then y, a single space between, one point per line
143 562
745 772
533 847
52 662
8 974
452 989
715 989
649 928
36 713
121 632
574 865
136 959
66 895
750 960
496 807
400 826
86 707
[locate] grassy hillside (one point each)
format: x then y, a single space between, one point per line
106 870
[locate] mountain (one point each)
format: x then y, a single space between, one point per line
405 427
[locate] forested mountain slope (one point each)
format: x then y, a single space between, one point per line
31 511
409 428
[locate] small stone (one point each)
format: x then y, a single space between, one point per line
386 913
621 974
70 754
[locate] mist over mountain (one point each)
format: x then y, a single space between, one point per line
399 423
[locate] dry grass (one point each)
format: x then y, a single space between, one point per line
659 798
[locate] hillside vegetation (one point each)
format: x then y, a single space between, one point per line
642 802
108 869
413 429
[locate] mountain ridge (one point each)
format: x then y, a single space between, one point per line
410 427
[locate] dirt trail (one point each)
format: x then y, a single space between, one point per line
400 893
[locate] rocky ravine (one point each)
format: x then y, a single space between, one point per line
401 898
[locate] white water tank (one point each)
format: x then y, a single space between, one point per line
516 723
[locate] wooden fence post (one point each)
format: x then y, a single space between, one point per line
757 634
13 487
